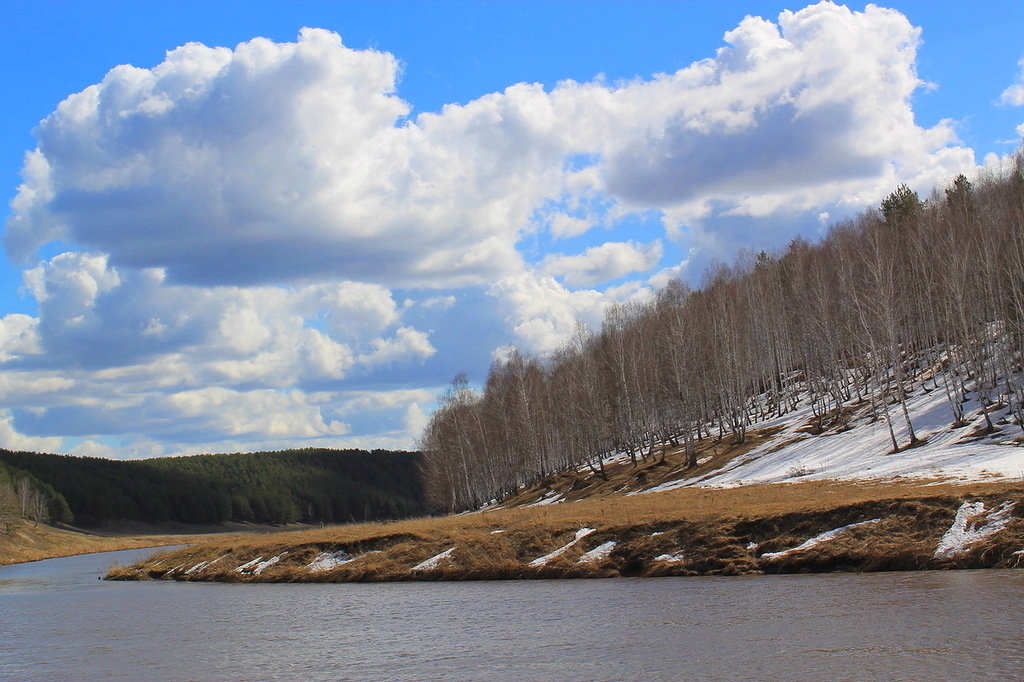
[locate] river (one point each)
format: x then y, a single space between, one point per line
57 621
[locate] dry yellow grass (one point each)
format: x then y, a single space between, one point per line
716 528
29 541
33 542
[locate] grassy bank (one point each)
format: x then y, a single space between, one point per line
28 541
690 531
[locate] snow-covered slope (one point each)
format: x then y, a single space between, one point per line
863 451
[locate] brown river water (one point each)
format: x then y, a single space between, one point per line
57 621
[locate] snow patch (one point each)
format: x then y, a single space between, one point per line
551 497
863 451
249 564
677 558
434 561
580 534
816 540
615 458
972 525
204 564
257 565
599 553
326 561
267 564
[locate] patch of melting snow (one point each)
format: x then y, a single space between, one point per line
972 524
580 534
657 533
599 553
204 564
551 497
434 561
197 567
677 558
495 532
249 564
267 564
816 540
326 561
615 458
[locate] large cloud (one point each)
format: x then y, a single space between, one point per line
287 161
275 162
807 111
94 316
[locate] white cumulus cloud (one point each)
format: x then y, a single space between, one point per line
608 261
543 314
272 162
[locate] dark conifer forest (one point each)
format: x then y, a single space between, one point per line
310 486
918 293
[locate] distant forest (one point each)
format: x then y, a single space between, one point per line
913 292
311 485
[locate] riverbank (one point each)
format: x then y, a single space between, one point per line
28 541
781 528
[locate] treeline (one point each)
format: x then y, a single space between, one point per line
915 292
310 486
23 496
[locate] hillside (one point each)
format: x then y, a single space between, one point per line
918 296
784 500
793 448
310 486
25 497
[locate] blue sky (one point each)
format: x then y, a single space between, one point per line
275 237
